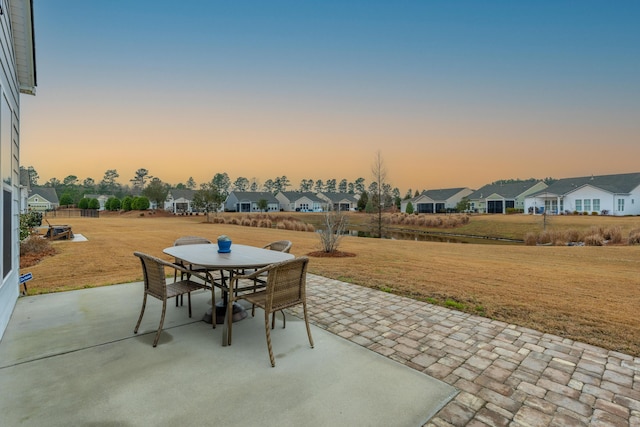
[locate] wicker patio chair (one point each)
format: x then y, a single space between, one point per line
155 285
280 246
285 287
188 240
258 282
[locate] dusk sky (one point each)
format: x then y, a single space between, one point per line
452 93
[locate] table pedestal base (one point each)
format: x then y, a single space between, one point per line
239 313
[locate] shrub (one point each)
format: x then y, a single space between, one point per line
28 222
66 199
94 204
127 203
572 235
613 235
634 237
530 239
112 204
409 208
140 203
335 223
35 245
83 203
593 240
545 237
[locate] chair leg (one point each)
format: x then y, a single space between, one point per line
229 317
268 331
164 309
144 303
306 322
189 299
213 299
273 320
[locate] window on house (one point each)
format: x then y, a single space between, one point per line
587 205
6 166
579 205
596 205
620 205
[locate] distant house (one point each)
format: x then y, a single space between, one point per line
43 199
340 201
606 194
497 198
102 199
294 201
436 201
179 201
248 201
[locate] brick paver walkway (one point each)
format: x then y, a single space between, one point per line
506 375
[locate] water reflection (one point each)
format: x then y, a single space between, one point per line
430 237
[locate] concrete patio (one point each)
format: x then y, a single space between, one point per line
72 359
500 374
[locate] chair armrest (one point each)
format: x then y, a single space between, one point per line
185 270
253 275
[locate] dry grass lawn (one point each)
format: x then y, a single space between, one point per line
589 294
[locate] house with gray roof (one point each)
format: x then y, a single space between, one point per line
43 199
179 201
497 198
248 201
297 201
340 201
616 195
436 201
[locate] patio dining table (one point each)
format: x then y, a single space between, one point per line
239 258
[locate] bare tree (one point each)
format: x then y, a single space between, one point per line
379 172
335 223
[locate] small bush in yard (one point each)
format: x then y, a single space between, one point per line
634 237
530 239
28 222
335 222
33 249
613 235
593 240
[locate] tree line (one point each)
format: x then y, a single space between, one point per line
209 196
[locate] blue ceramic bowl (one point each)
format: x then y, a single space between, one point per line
224 246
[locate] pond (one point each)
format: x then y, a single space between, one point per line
435 237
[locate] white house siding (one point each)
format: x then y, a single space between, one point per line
587 199
582 200
9 160
632 203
